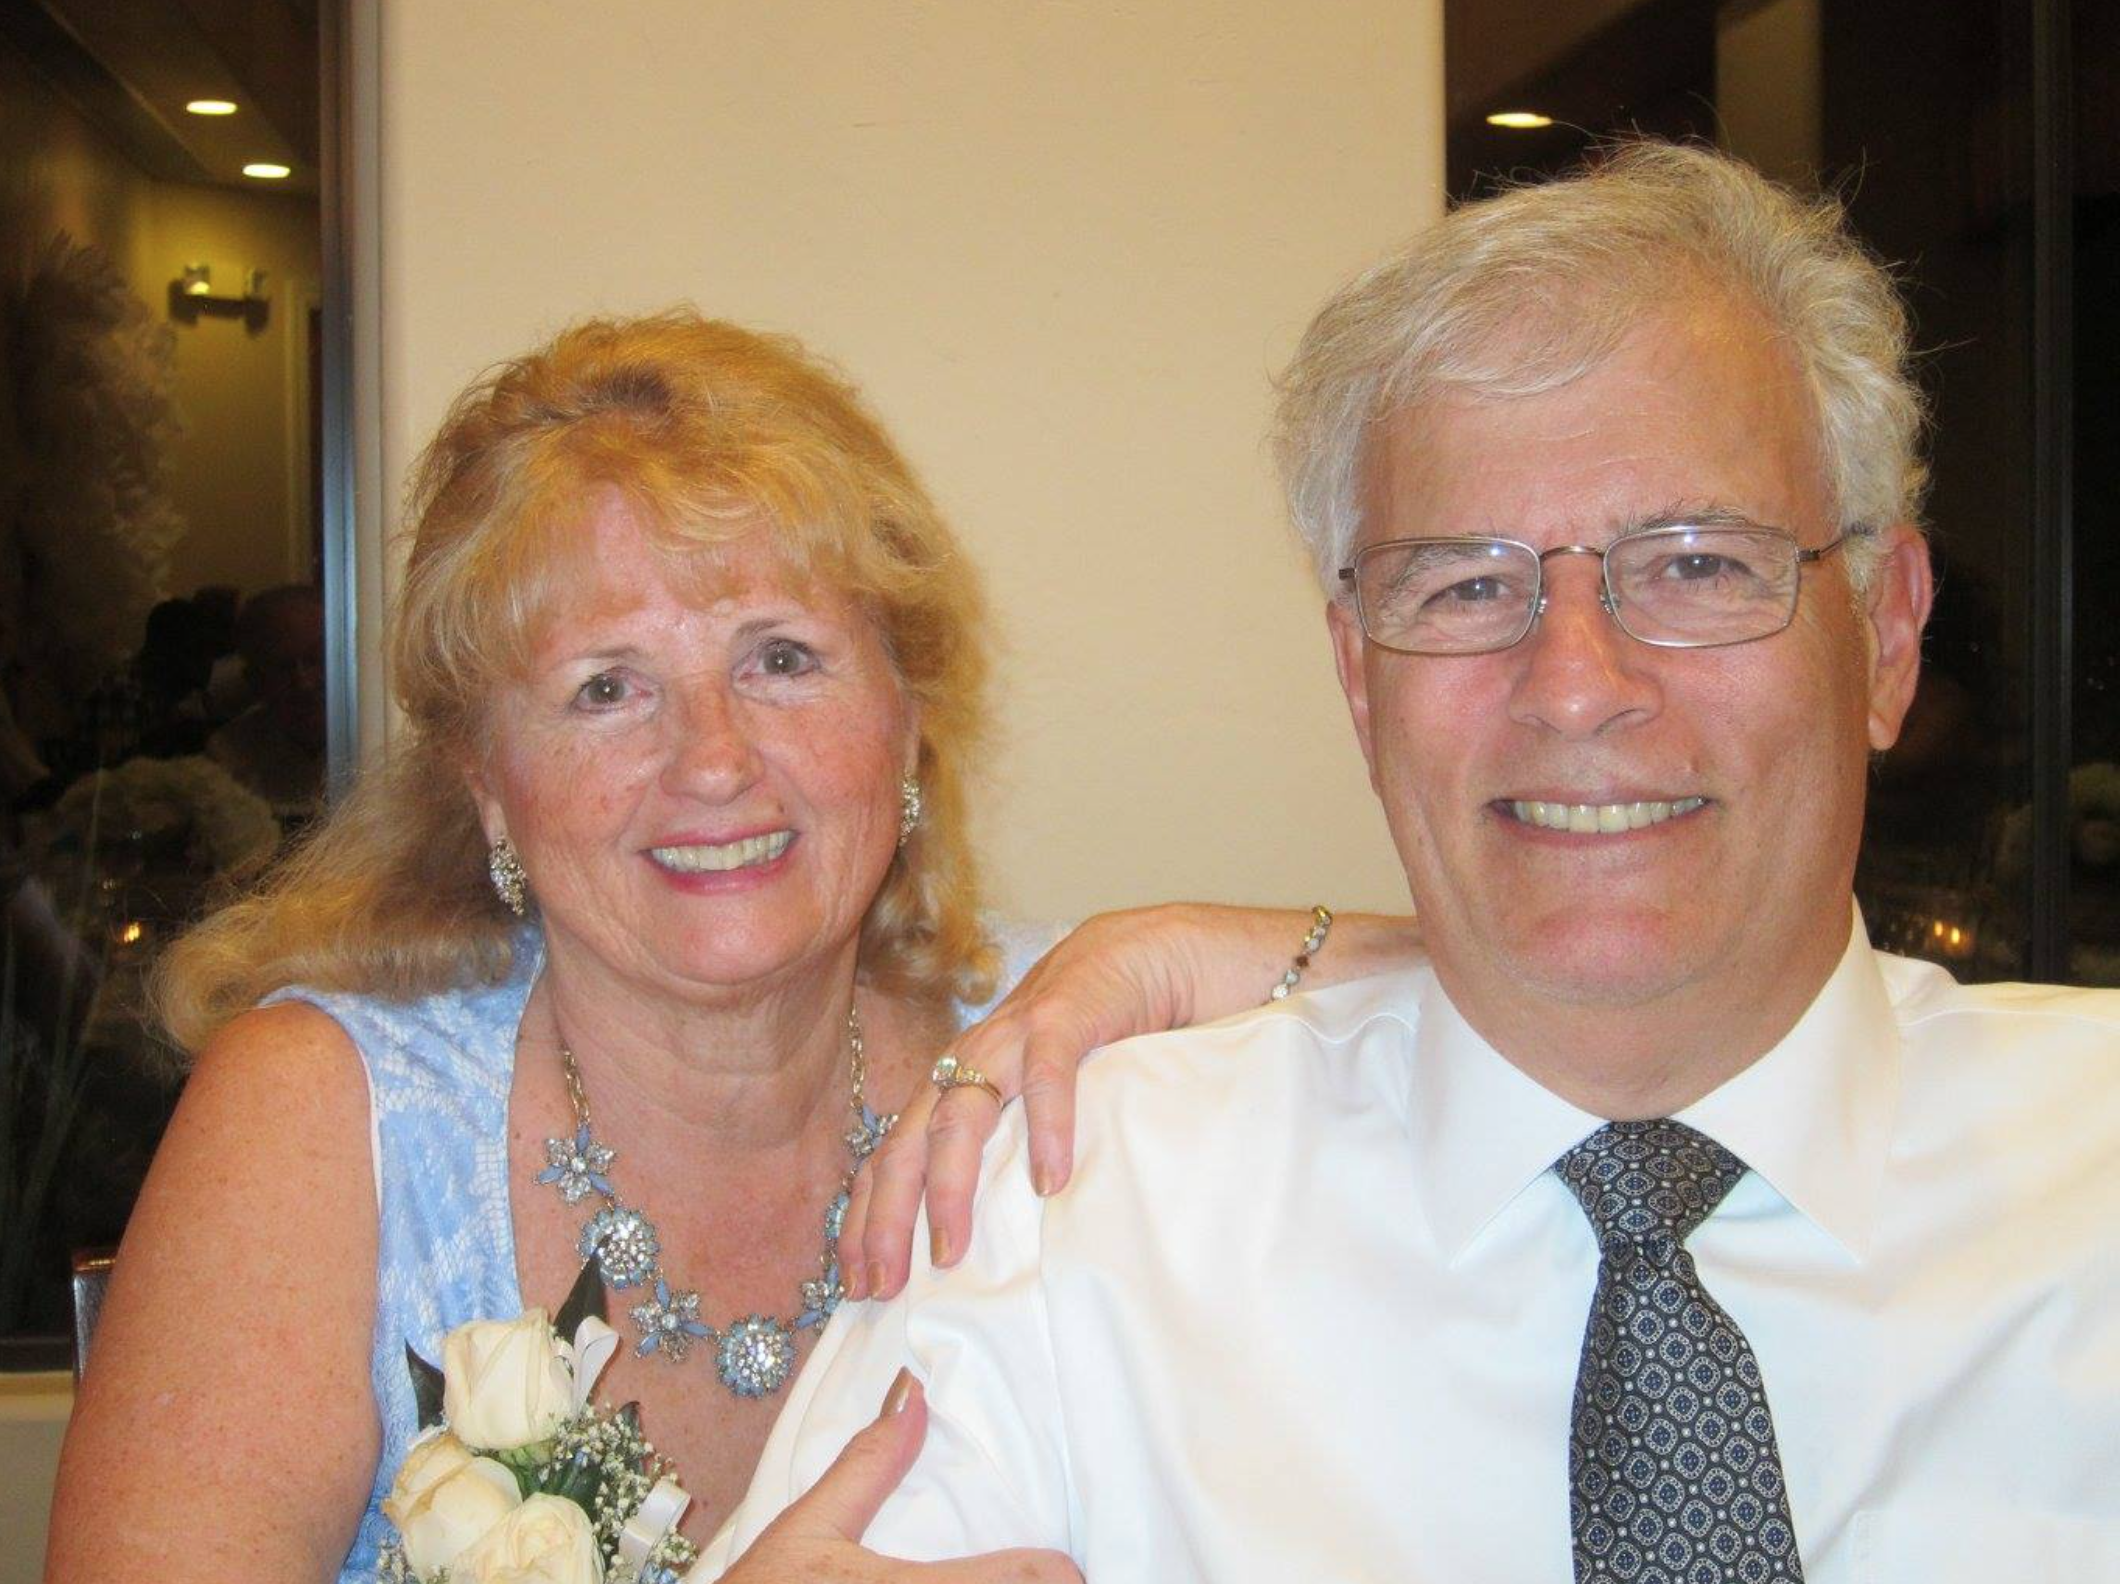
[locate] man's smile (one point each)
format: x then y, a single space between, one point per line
1591 819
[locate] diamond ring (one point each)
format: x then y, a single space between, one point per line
949 1073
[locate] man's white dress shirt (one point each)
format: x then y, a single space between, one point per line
1313 1304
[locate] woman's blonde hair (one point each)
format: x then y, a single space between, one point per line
706 431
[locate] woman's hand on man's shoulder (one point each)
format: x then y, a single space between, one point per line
819 1536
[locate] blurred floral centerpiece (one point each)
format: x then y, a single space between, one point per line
189 808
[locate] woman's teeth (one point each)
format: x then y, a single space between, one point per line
1595 818
714 859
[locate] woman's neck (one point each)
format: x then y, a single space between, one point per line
743 1071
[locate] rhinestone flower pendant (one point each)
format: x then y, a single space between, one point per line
668 1322
756 1356
623 1244
578 1166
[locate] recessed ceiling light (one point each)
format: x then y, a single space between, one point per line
1521 120
212 107
265 170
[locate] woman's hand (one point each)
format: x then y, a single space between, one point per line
1119 974
818 1539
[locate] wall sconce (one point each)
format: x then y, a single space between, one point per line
196 282
242 296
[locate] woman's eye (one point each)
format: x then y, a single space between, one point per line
786 657
605 690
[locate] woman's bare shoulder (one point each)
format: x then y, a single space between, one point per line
229 1371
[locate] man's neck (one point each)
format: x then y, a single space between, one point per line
1650 1058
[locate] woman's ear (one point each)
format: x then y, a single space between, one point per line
909 756
478 784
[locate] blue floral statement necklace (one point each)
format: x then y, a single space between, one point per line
754 1356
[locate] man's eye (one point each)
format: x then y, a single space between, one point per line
785 657
1469 591
1474 590
1703 567
605 690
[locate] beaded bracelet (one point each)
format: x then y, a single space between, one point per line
1320 927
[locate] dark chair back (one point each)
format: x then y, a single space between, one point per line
91 1276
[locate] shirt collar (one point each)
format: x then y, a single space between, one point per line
1812 1117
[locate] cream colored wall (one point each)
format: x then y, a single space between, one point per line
33 1410
1062 245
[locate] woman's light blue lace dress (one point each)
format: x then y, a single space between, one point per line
439 1070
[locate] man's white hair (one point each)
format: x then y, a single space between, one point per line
1524 292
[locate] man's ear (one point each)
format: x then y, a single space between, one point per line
1346 629
1902 588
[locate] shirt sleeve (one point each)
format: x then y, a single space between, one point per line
993 1471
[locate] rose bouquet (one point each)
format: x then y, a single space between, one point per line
519 1478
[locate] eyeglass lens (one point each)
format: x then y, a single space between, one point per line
1678 586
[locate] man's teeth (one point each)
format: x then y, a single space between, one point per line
714 859
1592 818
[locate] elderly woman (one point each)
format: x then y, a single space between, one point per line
670 862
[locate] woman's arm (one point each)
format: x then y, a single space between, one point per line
1140 971
226 1428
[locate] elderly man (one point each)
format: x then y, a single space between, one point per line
1661 1229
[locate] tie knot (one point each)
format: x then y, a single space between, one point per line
1637 1180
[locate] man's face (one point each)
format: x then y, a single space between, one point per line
1711 919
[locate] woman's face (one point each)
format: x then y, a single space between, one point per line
700 774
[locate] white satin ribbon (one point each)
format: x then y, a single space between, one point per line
657 1516
594 1343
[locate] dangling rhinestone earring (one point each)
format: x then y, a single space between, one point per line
510 884
908 808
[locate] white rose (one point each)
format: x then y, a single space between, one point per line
505 1383
547 1540
432 1458
444 1498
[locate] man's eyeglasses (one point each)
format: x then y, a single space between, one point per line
1679 586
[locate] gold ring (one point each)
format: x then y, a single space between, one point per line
949 1073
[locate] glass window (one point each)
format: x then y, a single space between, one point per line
161 621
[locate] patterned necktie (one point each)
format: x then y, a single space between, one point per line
1672 1472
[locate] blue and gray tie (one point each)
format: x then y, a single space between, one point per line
1672 1470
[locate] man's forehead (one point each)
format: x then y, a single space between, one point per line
1698 407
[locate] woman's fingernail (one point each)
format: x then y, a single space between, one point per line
939 1246
874 1284
899 1395
1044 1178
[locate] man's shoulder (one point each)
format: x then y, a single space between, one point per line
1929 1002
1986 1066
1237 1084
1363 1020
